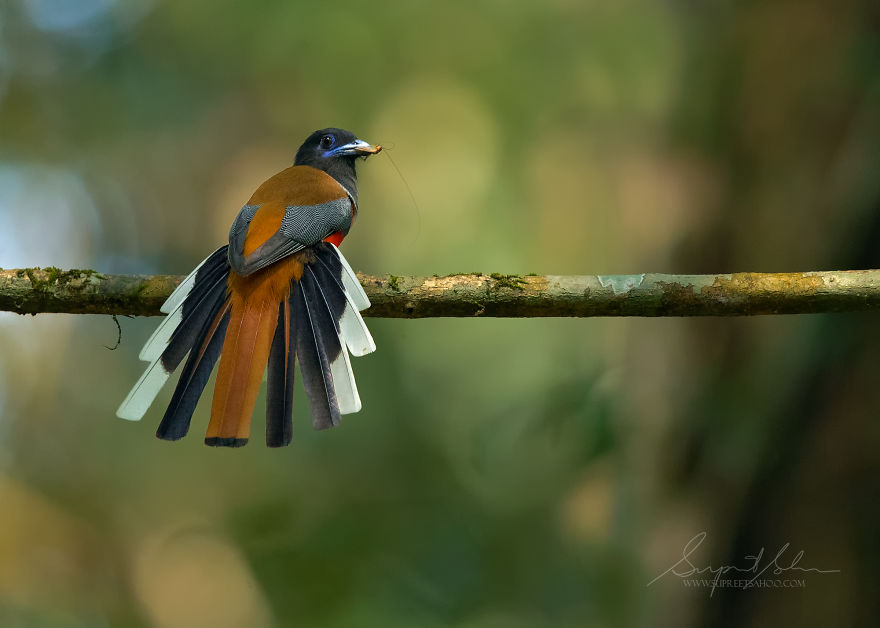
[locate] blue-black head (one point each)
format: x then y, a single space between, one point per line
334 151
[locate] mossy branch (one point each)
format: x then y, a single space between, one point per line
35 290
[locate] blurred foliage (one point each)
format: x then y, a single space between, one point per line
502 474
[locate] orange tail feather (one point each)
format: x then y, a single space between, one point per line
255 301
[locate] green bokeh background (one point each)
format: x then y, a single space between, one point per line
503 473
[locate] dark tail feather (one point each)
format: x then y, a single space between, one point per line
205 304
217 264
327 281
317 345
279 385
196 372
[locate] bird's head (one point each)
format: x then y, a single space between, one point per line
335 151
328 149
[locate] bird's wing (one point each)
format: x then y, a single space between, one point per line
295 209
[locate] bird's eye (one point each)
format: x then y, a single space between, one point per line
327 141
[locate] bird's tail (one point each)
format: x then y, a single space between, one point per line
303 309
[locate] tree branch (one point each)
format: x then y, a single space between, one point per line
34 290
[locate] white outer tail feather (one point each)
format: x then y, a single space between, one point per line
353 288
143 393
354 331
357 337
343 381
154 347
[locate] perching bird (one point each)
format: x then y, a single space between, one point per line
280 292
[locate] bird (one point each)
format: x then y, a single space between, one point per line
280 293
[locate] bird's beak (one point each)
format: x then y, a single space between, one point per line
357 148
